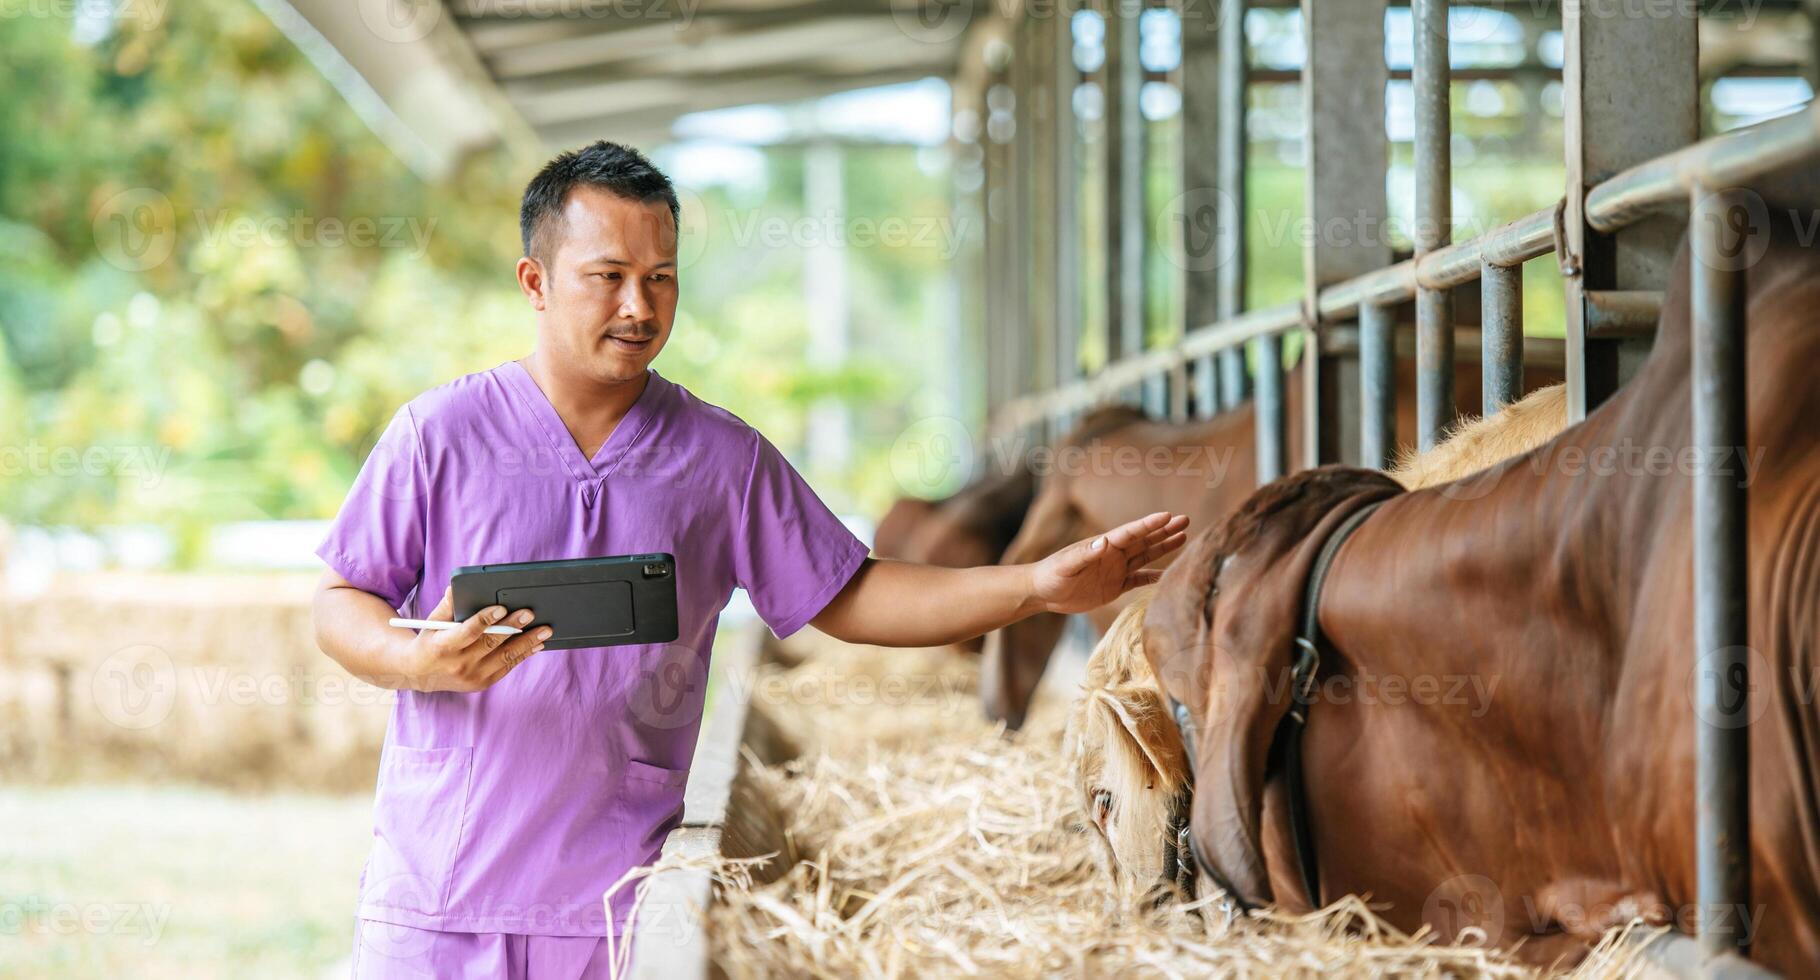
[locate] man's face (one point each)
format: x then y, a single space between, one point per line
608 288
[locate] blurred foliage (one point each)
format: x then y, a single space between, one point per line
170 292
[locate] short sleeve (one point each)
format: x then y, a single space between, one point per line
376 541
792 555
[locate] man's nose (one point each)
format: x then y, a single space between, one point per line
635 302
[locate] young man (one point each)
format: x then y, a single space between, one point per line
516 785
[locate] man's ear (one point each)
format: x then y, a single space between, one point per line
531 281
1255 613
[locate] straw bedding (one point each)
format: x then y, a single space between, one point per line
926 843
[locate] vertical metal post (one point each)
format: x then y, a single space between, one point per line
1630 93
1066 181
998 269
1206 380
1036 146
1019 299
1229 156
1124 181
1377 385
1434 217
1273 450
1501 336
1348 156
1201 216
1721 613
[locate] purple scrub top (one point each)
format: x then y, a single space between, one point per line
513 809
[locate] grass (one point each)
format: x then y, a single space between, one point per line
107 881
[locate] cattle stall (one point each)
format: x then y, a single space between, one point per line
1637 174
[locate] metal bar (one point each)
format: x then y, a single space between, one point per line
1724 161
1622 312
1377 385
1631 93
1273 451
1721 613
1200 211
1124 76
1036 121
998 272
1501 335
1675 955
1348 156
1230 150
1065 79
1510 244
1434 218
1206 385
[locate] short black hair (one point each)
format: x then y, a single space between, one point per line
609 166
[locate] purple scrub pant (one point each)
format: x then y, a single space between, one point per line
383 951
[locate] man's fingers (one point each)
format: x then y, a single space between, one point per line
1161 548
1143 576
1131 535
1175 525
510 654
472 629
445 610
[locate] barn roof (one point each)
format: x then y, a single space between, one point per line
436 78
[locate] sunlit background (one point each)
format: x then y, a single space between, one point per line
225 261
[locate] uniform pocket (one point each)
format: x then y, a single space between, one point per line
419 814
647 773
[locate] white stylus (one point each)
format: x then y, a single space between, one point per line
443 624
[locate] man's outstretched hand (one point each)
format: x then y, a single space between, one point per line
1094 571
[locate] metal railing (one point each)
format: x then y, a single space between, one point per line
1679 178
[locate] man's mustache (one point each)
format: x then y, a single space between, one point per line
642 332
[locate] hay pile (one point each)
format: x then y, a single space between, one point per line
931 845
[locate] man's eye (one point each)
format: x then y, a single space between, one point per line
660 277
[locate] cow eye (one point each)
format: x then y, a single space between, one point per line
1102 807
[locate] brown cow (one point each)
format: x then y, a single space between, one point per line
1121 746
1502 732
1202 469
974 525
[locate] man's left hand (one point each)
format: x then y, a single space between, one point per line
1092 572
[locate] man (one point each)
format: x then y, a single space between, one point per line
516 786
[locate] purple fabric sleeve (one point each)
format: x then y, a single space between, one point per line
792 555
376 542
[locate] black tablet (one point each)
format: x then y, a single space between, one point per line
586 602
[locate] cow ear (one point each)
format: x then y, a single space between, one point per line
1255 617
1138 718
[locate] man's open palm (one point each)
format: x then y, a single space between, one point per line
1094 571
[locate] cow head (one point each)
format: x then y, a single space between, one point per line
1127 760
1219 635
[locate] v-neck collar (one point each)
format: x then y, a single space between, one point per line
623 436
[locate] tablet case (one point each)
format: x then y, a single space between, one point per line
586 602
